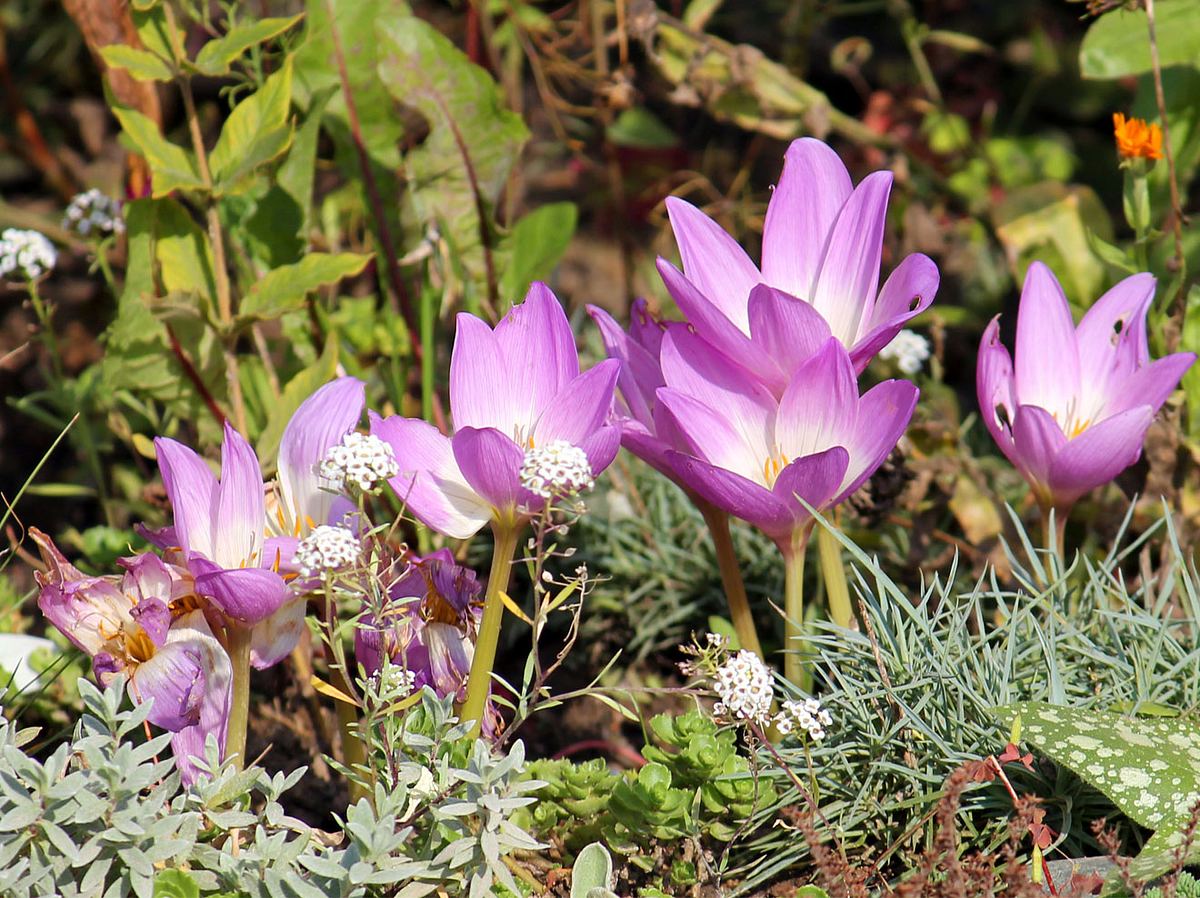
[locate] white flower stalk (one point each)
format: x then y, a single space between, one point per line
362 460
908 349
807 716
556 470
743 684
94 214
25 254
326 550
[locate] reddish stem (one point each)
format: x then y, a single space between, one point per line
194 376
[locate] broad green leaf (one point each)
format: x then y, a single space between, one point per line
471 134
284 289
1110 253
141 64
638 127
295 174
535 245
218 55
297 390
173 168
256 132
175 884
1118 43
156 34
1148 768
183 252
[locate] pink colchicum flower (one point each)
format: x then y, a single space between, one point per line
511 389
1073 412
822 246
148 625
756 456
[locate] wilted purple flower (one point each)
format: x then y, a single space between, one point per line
428 627
822 244
1074 411
148 625
756 456
511 390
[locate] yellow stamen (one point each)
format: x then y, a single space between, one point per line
138 646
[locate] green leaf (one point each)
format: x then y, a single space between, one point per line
638 127
218 55
156 34
297 390
1110 253
536 244
172 167
1191 342
183 252
284 289
175 884
296 172
1150 769
471 134
141 64
1118 43
593 869
256 132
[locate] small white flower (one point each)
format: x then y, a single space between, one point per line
26 254
908 350
327 549
744 686
361 460
397 679
556 469
808 715
94 214
715 640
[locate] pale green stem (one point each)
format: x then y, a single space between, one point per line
837 591
731 577
238 646
793 606
480 680
1054 536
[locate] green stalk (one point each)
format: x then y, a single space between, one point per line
480 679
793 606
238 639
428 314
1054 536
837 591
731 577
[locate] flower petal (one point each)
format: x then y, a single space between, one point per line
273 638
491 464
429 482
819 409
640 374
601 448
849 276
1098 454
1047 360
811 191
883 415
1153 383
317 425
787 329
478 394
192 630
712 436
907 292
540 357
154 617
580 407
241 504
174 680
248 595
192 491
813 478
713 261
1037 439
994 389
733 493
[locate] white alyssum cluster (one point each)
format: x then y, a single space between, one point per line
744 686
908 350
94 214
395 679
361 460
556 469
327 549
26 254
807 715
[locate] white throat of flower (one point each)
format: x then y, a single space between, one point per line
556 470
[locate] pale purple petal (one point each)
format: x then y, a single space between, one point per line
478 397
994 388
819 409
248 595
908 292
580 407
644 329
1112 345
273 638
1047 361
1098 454
540 357
640 374
849 275
429 482
786 329
449 657
815 479
192 491
192 631
811 191
712 436
601 448
713 261
87 610
241 504
1037 439
1153 383
741 497
491 464
174 680
154 617
883 415
317 425
650 448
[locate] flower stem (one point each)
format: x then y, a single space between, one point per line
1054 534
793 606
731 577
480 680
841 612
238 639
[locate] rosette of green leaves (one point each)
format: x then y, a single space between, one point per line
646 806
573 804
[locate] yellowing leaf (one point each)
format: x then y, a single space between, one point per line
218 55
332 691
141 64
172 167
284 288
256 132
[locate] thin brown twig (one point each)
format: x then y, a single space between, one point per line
193 375
1161 102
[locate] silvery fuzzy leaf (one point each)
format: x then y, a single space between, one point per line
93 877
59 839
21 816
231 819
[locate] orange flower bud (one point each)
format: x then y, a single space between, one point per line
1136 138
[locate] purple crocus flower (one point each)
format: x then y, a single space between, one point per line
219 527
1073 411
512 389
756 456
148 625
427 630
822 245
